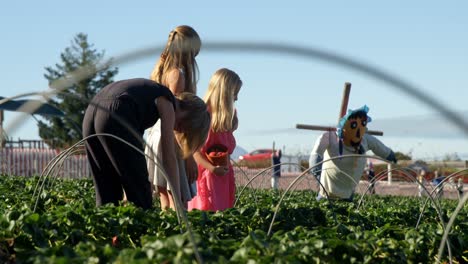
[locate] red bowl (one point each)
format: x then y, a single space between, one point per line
218 155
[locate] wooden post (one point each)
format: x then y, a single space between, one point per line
343 110
344 100
389 173
328 128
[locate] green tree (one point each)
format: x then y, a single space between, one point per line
62 132
451 157
402 156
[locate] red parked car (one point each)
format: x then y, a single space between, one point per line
256 155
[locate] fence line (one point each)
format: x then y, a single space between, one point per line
17 161
32 161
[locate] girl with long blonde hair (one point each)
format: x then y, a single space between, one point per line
216 184
176 69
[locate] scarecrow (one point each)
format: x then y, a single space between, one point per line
339 176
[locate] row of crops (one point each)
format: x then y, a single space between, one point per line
66 227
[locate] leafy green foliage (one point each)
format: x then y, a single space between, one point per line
62 132
402 156
68 228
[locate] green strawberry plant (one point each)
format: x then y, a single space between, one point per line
66 227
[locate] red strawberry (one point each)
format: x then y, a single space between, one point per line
115 241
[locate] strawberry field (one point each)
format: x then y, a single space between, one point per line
66 227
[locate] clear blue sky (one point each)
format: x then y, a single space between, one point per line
424 43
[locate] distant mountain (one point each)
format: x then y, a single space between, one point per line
428 126
238 151
463 156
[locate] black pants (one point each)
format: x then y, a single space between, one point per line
114 164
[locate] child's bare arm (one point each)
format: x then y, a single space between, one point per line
176 81
167 115
218 170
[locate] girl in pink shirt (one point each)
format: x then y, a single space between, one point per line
215 184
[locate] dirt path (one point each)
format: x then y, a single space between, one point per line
397 188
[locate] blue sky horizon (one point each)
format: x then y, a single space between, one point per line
420 42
